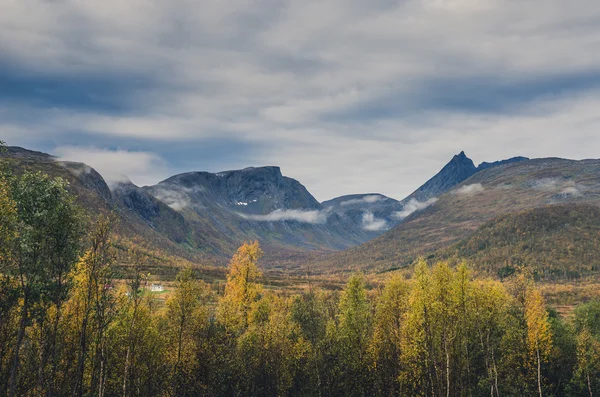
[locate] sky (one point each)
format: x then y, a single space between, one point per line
347 96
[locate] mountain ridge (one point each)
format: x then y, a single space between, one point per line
205 216
492 192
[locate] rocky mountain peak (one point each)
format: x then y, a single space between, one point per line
457 170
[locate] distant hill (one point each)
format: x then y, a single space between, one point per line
558 241
458 213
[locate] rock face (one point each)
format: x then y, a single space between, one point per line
254 190
89 178
457 170
137 200
255 203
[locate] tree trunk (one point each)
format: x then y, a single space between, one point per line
495 374
128 355
82 355
447 370
539 372
589 383
14 372
126 372
54 352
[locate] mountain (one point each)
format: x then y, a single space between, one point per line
260 203
457 170
203 217
492 192
253 203
253 190
368 214
141 218
558 241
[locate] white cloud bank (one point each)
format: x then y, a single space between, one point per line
468 190
370 199
175 199
142 168
571 191
557 185
312 217
372 223
413 206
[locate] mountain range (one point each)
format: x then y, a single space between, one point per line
204 216
478 207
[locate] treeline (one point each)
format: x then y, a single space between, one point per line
67 330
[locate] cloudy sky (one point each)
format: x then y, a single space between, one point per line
347 96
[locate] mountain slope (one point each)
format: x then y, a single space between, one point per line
140 216
558 241
492 192
255 203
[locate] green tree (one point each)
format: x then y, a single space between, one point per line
46 248
491 302
92 306
386 343
135 311
353 334
270 349
308 312
186 314
587 370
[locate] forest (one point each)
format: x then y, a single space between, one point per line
69 327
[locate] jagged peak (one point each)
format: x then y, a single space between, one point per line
462 158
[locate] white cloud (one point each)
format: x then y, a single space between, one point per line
77 171
115 166
314 217
175 199
370 199
468 190
413 206
372 223
572 191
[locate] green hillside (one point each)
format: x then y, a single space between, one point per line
557 241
